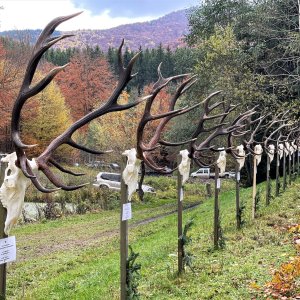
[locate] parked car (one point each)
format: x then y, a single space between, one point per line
113 181
206 173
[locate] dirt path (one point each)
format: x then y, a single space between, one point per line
75 238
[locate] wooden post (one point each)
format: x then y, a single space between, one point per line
216 209
284 171
123 236
2 235
179 219
294 167
298 170
268 181
254 188
277 174
290 168
237 196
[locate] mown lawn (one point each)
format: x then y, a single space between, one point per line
78 257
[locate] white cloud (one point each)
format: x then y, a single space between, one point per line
36 14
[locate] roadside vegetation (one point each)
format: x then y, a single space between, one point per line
77 257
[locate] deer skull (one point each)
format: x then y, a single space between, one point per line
131 172
241 152
280 150
258 152
271 152
12 191
221 162
287 148
184 166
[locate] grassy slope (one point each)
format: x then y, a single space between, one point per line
77 257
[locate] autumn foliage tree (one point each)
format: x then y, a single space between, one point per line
87 82
47 116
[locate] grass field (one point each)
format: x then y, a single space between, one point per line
77 257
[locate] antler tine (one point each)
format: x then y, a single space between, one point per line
43 43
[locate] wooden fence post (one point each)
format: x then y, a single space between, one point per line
123 235
290 168
254 188
268 181
2 235
284 170
237 196
179 218
277 174
216 209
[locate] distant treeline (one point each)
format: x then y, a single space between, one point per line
175 62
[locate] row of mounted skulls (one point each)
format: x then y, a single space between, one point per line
12 191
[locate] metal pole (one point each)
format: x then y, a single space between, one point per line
237 196
216 209
179 219
123 236
268 181
254 188
2 235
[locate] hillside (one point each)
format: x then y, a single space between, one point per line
168 30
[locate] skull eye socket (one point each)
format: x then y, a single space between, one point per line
8 172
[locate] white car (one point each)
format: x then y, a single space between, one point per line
113 181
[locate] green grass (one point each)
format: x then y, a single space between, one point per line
78 257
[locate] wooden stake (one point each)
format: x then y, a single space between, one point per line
179 218
284 171
298 163
290 168
254 188
237 196
216 210
268 181
2 235
123 235
277 174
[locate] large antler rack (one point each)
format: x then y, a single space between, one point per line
220 129
144 149
274 135
255 127
242 121
45 160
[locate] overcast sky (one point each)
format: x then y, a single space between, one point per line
97 14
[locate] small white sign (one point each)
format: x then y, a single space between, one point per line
218 183
181 194
238 176
8 250
126 212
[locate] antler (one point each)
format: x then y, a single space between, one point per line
144 149
44 161
222 127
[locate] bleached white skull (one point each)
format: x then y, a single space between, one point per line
271 152
242 155
258 150
131 172
286 148
184 166
294 147
221 162
280 150
12 191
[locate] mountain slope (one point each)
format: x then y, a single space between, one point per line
168 30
